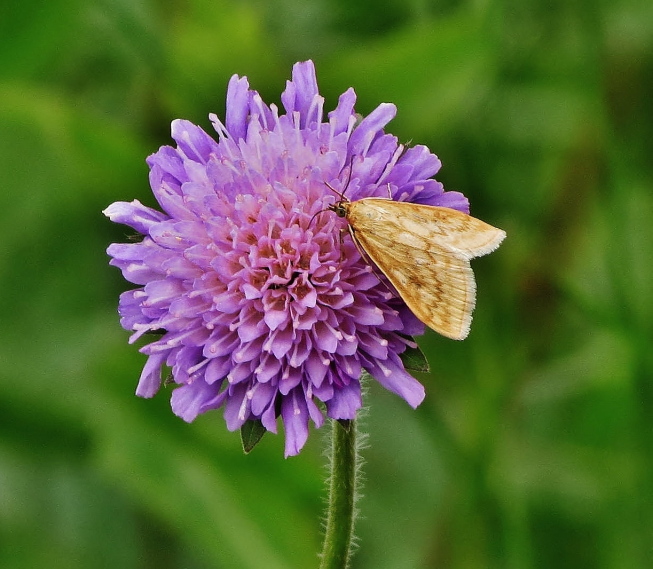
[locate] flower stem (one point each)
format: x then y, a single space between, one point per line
341 513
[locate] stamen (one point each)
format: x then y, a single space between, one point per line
219 127
173 342
188 140
258 102
332 129
297 124
338 333
391 164
198 292
316 108
348 337
250 392
243 408
192 370
386 371
275 116
353 119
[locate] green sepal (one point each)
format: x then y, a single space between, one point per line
345 424
414 359
251 433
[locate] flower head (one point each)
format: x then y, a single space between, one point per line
265 305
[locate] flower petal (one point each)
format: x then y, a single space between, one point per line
369 128
395 378
294 413
135 214
301 91
150 379
262 304
238 98
190 400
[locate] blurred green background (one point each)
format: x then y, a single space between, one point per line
534 446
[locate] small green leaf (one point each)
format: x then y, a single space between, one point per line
250 434
415 360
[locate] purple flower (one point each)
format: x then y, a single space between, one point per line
265 305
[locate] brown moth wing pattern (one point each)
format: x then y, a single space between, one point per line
424 251
447 227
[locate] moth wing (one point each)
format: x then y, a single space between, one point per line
435 281
438 287
450 228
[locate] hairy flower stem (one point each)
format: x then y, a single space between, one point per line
341 513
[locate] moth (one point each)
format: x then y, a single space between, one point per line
424 251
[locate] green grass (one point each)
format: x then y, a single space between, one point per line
534 447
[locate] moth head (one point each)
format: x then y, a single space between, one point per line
340 208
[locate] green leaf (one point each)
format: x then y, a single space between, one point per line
251 434
415 360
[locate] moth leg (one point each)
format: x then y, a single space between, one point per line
342 242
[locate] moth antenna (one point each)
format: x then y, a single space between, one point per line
315 215
341 195
337 207
351 169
